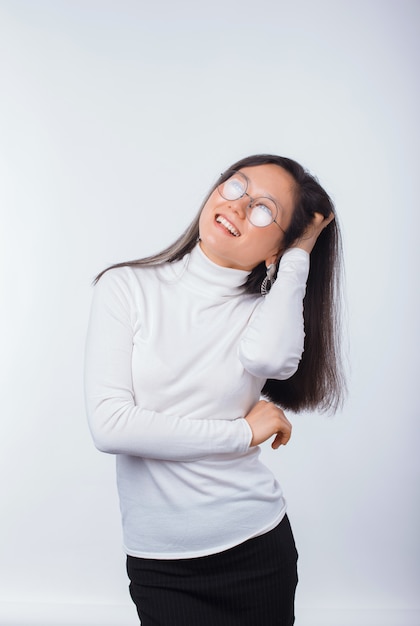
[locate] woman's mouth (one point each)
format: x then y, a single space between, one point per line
229 227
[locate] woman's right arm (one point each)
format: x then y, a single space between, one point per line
118 425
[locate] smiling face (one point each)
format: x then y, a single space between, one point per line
229 239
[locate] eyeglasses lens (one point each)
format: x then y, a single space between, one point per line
233 189
260 214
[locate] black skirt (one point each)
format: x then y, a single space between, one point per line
251 584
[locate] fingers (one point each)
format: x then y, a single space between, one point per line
323 221
320 222
277 442
312 232
284 434
281 439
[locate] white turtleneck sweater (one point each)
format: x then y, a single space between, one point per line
176 357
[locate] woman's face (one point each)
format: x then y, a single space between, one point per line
227 236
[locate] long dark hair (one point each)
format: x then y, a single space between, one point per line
319 381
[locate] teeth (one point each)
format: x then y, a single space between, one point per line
227 225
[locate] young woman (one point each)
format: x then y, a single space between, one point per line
180 348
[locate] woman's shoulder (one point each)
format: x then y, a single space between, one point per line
134 277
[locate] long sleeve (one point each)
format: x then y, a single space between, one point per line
272 345
119 423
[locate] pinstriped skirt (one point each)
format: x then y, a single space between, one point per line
252 584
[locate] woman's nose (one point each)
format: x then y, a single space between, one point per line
240 205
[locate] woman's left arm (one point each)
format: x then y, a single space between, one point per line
273 342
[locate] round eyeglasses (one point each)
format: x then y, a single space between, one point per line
261 212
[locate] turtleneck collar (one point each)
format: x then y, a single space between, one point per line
208 278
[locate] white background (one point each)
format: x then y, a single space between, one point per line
115 118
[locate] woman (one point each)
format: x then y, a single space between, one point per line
181 345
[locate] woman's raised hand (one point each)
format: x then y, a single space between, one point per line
312 232
266 420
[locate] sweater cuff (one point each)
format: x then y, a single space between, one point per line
295 254
247 433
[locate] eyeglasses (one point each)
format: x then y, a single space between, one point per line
261 212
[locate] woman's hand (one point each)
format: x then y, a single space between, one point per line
312 232
266 420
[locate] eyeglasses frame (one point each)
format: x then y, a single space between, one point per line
251 199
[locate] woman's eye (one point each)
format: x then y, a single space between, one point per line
235 188
263 208
261 215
